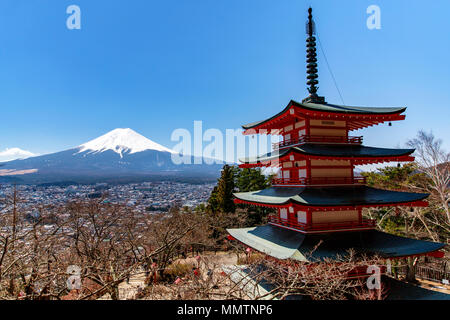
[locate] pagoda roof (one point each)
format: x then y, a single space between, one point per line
330 108
401 290
284 244
324 197
327 107
330 151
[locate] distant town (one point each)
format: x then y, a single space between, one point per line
145 196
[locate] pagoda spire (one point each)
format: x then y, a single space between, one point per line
311 60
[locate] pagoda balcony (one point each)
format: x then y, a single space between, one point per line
319 181
318 139
322 227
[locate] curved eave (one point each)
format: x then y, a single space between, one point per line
286 244
418 203
360 154
352 110
330 197
369 116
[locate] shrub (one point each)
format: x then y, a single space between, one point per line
177 270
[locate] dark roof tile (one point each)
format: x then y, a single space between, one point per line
329 196
327 107
339 151
287 244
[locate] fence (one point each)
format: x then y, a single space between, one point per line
432 274
427 273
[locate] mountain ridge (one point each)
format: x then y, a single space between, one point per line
119 154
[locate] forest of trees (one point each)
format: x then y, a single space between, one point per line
234 179
430 173
109 243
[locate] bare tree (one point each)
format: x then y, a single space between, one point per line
434 162
29 268
112 243
344 278
340 278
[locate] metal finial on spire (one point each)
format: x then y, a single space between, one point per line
310 26
311 59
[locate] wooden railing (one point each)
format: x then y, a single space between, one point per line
426 273
318 139
319 181
291 223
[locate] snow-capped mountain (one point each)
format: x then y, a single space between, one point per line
119 155
121 141
14 153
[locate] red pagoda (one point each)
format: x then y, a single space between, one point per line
317 195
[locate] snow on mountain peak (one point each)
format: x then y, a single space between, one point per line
10 154
120 141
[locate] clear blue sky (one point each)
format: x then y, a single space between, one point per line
155 66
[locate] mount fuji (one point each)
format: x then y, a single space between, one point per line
121 155
122 141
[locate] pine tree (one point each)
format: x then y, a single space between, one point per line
247 180
212 201
225 189
242 180
221 198
251 180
